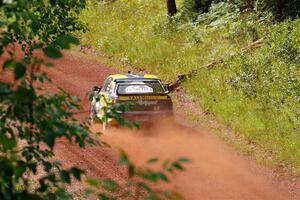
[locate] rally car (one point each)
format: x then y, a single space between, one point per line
146 96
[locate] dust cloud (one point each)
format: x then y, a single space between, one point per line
215 172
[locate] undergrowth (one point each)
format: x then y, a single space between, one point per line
256 93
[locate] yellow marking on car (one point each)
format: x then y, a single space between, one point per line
152 97
118 76
149 76
104 98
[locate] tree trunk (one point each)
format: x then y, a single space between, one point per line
171 4
250 4
279 9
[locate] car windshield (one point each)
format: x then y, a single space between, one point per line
140 88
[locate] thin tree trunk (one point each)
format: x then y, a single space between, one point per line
279 9
171 5
250 4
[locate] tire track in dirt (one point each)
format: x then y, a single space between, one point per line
217 172
106 166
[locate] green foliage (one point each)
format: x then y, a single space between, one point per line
274 72
280 9
31 119
192 8
221 13
257 93
254 92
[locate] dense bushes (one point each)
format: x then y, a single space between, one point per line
279 8
274 73
192 8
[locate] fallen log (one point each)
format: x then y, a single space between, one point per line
182 77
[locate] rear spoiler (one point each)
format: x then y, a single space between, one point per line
125 80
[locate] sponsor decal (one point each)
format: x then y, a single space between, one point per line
132 89
146 103
148 97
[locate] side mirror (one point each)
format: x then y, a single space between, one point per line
96 89
166 88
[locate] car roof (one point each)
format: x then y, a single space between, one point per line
134 77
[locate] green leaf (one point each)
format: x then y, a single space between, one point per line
149 175
131 170
8 64
65 41
52 51
47 166
76 172
49 139
123 160
103 196
65 176
109 185
184 160
88 192
152 160
61 193
151 196
168 194
19 71
33 167
162 176
177 165
92 182
6 143
145 186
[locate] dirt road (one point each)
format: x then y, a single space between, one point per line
217 172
